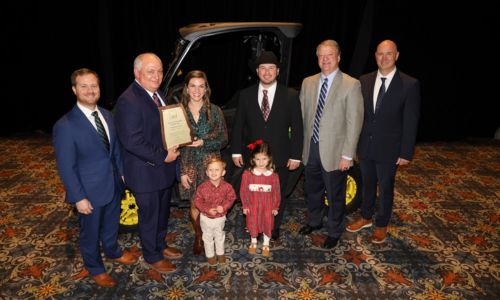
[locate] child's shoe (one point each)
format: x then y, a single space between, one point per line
252 249
221 259
212 261
265 251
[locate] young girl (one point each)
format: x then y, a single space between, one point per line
260 195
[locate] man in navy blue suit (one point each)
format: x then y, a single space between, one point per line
88 157
150 170
387 140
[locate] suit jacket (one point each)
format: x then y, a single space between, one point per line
391 132
341 120
285 115
138 125
87 169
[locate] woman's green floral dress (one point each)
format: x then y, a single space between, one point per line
193 159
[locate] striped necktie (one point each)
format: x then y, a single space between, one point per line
156 100
319 110
100 130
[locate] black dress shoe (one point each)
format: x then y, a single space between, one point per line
308 229
330 242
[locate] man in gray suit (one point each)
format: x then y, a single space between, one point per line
332 112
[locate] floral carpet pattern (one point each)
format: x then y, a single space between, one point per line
443 240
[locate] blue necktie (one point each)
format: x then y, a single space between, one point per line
319 110
381 94
100 130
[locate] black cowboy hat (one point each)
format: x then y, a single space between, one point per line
267 57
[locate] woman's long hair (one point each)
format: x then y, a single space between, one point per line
206 97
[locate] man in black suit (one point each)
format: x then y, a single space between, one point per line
388 136
280 125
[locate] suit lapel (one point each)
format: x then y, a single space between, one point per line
333 88
146 97
393 87
314 98
84 122
278 97
111 130
254 103
370 88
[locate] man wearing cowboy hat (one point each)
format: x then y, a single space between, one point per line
271 112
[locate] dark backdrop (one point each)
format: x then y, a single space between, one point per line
450 50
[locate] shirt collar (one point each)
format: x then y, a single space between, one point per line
330 77
388 76
270 89
87 111
265 173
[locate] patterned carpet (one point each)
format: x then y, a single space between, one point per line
443 242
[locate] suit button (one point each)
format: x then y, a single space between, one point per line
370 137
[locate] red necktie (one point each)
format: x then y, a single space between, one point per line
265 105
156 100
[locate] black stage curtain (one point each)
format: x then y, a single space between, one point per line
449 49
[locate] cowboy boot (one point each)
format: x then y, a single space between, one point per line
198 242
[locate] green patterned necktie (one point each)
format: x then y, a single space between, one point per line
101 130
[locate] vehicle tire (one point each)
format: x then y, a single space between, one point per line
354 188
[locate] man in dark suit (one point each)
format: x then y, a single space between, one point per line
88 157
150 170
392 108
271 112
332 108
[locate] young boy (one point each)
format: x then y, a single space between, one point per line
213 198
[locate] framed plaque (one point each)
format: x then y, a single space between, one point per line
175 127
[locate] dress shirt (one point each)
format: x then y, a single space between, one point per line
378 83
209 196
88 113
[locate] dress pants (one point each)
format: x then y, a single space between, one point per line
101 226
317 182
213 235
154 212
383 174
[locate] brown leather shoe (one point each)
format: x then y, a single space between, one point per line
265 251
163 266
359 224
379 235
104 279
127 258
221 259
212 261
172 253
252 249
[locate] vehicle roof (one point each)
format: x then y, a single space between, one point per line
194 31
